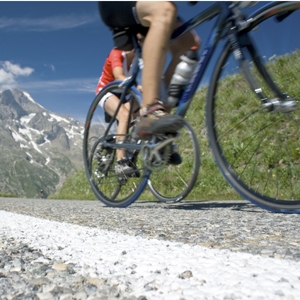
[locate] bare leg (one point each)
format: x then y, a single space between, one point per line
178 47
160 17
111 105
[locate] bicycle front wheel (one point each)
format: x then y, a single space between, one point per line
257 149
174 183
99 155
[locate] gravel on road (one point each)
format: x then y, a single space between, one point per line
62 249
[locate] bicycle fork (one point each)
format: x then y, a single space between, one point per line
282 102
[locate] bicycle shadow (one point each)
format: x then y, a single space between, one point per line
233 205
238 205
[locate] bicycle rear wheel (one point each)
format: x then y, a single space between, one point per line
99 155
257 150
174 183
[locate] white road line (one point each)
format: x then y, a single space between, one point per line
217 274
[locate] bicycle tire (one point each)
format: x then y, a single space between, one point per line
256 150
175 182
99 161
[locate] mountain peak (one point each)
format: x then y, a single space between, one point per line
40 148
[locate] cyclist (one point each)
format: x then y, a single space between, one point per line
156 20
117 67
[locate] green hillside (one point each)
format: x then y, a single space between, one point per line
210 183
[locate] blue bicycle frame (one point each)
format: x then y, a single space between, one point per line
221 9
224 13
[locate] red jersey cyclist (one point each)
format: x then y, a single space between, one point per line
155 20
117 67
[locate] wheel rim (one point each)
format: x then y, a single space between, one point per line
175 182
109 188
257 150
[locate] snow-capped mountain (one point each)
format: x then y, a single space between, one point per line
38 148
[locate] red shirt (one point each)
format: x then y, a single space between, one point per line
116 58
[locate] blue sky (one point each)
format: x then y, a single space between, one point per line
55 50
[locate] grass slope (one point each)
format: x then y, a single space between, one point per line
210 184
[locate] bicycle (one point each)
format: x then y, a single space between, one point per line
100 157
247 129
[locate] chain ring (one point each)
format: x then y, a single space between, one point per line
154 164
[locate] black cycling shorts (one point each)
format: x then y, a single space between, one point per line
122 19
120 15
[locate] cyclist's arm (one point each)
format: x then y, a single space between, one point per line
118 73
117 64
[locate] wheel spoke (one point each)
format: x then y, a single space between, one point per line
116 190
257 148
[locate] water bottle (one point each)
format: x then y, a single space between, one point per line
181 76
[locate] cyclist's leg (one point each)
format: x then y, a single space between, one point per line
177 47
135 109
110 107
123 165
160 17
99 155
